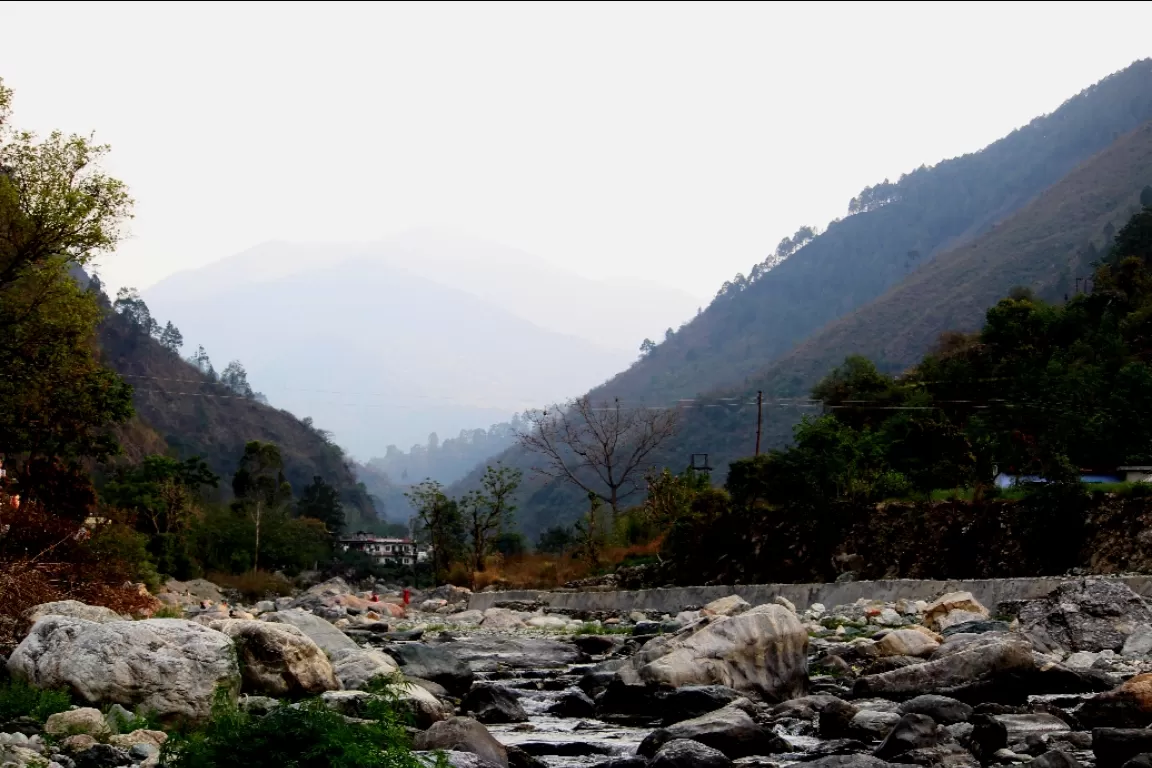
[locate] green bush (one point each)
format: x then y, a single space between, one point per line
18 699
303 735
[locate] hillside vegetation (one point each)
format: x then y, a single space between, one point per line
892 230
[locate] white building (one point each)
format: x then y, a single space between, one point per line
382 550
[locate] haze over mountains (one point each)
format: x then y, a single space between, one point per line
383 343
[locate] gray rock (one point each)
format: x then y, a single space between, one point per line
490 703
1019 727
489 653
835 720
103 756
1090 614
169 667
943 709
328 637
322 595
1139 643
1055 759
357 668
433 663
1115 746
868 724
848 761
684 753
912 732
73 609
976 627
278 659
730 730
693 701
573 703
989 666
454 758
463 734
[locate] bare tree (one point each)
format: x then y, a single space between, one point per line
486 511
597 449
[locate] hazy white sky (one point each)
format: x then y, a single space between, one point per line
678 142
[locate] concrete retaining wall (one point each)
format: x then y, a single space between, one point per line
672 600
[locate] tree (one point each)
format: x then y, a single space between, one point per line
598 449
129 304
260 488
487 510
668 334
58 211
236 379
1146 196
321 501
439 520
171 338
647 347
555 541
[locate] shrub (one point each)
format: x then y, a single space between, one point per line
18 699
254 585
304 735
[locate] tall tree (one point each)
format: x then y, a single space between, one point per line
439 520
489 509
171 338
58 211
260 488
321 501
600 449
236 379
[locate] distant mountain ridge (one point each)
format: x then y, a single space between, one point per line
896 228
379 353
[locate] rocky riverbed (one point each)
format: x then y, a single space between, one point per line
1059 681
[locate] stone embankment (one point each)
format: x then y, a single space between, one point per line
1057 673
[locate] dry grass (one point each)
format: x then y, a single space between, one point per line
541 571
253 585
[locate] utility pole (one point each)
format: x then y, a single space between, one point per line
759 415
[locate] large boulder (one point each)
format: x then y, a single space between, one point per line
357 668
168 667
685 753
729 729
1091 614
943 709
953 608
573 703
433 663
910 733
84 720
489 653
762 652
1115 746
278 659
728 606
424 707
73 609
490 703
1127 706
502 618
693 701
463 734
323 595
328 637
906 642
979 667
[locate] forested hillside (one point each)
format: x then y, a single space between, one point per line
893 229
178 408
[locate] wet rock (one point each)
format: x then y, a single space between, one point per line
912 732
870 725
573 703
1143 760
943 709
1127 706
596 645
518 758
597 677
762 651
835 720
730 730
1115 746
319 630
693 701
632 761
1019 727
491 703
889 663
278 659
463 734
170 667
986 737
433 663
565 748
643 628
848 761
684 753
1088 614
454 758
988 667
1055 759
803 708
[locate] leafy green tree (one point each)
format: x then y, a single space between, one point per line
129 304
489 509
171 338
260 489
509 544
439 522
236 379
58 211
321 501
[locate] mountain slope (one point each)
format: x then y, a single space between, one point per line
897 227
179 410
380 355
